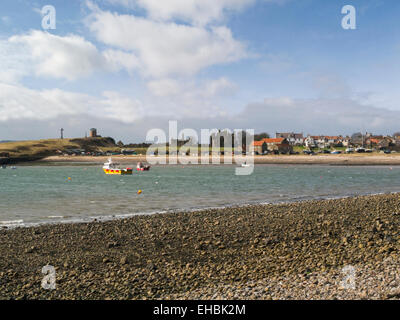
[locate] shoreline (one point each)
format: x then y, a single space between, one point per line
15 224
275 251
341 159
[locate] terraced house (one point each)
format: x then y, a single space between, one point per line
294 139
325 141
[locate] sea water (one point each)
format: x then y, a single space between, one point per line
45 194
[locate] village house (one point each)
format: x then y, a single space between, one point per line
333 140
324 141
309 142
294 139
396 136
315 141
320 141
276 144
378 142
396 142
346 141
258 147
285 141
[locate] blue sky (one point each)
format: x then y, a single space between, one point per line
127 66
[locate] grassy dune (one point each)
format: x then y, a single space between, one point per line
36 149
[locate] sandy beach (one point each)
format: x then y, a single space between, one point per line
326 159
283 251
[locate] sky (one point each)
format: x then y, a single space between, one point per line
128 66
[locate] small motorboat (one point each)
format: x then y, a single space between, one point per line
141 167
245 165
112 168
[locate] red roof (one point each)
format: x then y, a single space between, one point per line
375 140
258 143
274 140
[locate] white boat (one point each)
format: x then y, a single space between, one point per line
112 168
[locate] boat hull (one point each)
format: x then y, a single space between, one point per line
143 169
120 172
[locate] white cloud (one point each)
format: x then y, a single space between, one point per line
220 87
157 49
166 48
331 86
70 57
206 89
23 110
14 62
165 87
197 12
117 60
18 103
117 107
198 99
318 116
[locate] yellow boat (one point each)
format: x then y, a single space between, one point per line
112 168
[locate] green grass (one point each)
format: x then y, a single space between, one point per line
299 148
139 150
47 147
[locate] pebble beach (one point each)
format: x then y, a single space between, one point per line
322 249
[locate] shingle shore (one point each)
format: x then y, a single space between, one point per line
284 251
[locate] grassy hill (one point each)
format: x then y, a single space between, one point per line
37 149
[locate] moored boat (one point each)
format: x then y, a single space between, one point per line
112 168
245 165
141 167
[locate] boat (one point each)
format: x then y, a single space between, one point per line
112 168
141 167
245 165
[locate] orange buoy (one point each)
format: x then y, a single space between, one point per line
139 192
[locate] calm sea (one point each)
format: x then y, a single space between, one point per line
37 194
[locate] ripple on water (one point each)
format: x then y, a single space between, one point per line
40 194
